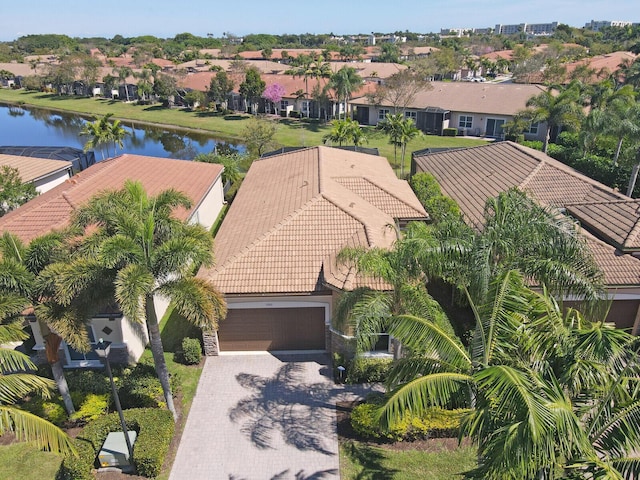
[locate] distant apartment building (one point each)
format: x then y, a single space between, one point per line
462 32
597 25
528 28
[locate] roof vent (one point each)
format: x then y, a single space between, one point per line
352 204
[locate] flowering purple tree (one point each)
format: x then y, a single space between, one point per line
274 94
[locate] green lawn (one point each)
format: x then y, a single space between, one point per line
230 127
365 462
21 461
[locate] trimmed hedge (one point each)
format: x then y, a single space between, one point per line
449 132
435 423
368 370
191 352
154 427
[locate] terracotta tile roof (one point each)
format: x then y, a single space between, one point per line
607 63
32 169
52 210
470 97
472 175
616 221
295 211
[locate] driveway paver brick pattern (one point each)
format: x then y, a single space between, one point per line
263 416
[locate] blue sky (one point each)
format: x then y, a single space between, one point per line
164 18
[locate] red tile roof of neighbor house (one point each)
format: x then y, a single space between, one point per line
52 210
603 65
610 220
201 81
32 169
470 97
296 211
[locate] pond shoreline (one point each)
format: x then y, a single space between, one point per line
127 120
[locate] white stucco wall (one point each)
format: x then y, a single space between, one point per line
47 183
209 208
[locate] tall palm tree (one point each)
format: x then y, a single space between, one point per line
407 132
123 73
104 132
345 81
551 394
146 252
23 272
517 234
561 109
17 381
367 311
392 127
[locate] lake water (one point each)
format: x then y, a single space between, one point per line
36 127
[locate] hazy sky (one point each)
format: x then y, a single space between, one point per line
164 18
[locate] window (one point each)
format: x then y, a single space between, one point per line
382 113
465 121
412 115
533 128
284 104
90 358
305 106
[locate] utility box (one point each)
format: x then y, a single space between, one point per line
114 452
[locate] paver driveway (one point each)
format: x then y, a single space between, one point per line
257 417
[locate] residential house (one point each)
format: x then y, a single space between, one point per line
202 182
276 249
45 174
477 109
610 221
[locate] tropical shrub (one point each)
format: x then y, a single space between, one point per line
449 132
92 406
434 423
191 352
368 370
140 388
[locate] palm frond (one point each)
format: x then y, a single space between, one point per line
16 386
197 300
31 428
437 389
132 284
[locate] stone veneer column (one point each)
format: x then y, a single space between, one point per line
210 343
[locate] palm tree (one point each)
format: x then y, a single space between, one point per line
549 392
407 132
368 312
23 274
115 133
146 252
232 172
98 136
16 382
345 81
391 126
123 73
563 109
517 234
345 130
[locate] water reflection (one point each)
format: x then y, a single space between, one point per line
46 128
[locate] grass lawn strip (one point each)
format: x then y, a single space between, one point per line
229 127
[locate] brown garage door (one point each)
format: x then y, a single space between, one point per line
262 329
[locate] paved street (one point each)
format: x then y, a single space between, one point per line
258 417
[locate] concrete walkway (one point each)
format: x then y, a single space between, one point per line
257 417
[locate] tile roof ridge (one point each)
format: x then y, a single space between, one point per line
545 159
633 234
367 228
247 248
390 193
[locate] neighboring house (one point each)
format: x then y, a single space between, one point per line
45 174
477 109
610 221
276 249
201 182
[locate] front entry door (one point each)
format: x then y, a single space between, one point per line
494 127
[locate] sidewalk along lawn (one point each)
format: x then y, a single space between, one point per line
227 127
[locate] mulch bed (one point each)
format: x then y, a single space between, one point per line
346 432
